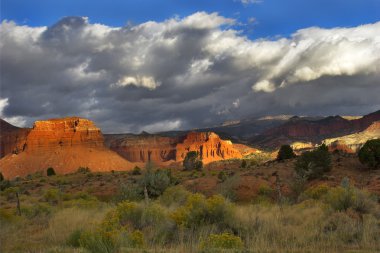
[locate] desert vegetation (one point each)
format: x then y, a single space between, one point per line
154 210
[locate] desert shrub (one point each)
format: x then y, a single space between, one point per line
50 172
312 164
74 238
265 190
136 170
346 197
10 192
6 216
129 191
192 161
100 241
37 210
126 213
317 191
298 186
222 241
369 154
222 176
136 239
227 188
174 196
199 211
53 196
5 184
83 170
157 181
285 152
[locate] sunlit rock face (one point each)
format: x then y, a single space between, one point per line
209 145
64 144
353 142
163 149
66 132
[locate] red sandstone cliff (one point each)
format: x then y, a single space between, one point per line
163 149
64 144
209 145
146 147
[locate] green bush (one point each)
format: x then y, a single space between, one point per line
192 161
265 190
53 196
136 239
222 241
199 211
157 181
100 241
37 210
317 191
5 184
50 172
222 176
285 152
228 188
74 238
136 171
369 154
129 191
312 164
346 197
174 196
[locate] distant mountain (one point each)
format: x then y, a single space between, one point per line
240 131
352 142
305 130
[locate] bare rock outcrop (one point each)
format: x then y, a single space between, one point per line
64 144
209 145
163 149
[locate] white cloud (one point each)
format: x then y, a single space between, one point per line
166 125
15 120
194 69
138 81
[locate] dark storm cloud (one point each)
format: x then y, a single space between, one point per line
183 73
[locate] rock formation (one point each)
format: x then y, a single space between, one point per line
164 149
64 144
146 147
209 145
353 142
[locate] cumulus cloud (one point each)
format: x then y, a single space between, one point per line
183 72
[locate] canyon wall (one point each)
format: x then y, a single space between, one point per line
164 149
63 144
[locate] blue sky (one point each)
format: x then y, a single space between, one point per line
273 17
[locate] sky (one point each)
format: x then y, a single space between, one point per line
168 65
